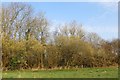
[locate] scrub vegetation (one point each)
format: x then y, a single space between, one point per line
28 43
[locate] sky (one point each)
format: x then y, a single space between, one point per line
59 0
98 17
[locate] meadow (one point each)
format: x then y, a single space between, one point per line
32 40
64 73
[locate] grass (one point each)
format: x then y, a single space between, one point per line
64 73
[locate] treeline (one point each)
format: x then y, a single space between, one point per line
27 42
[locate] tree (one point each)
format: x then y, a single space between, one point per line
27 42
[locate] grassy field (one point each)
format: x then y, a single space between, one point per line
64 73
